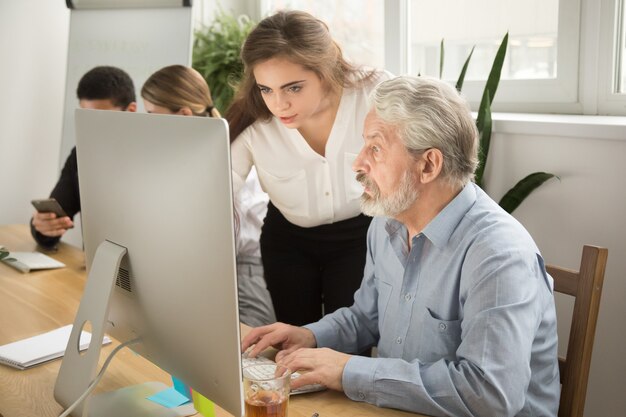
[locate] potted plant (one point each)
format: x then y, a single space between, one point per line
216 50
514 197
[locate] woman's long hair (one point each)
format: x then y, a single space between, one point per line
300 38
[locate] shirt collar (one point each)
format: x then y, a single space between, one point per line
439 230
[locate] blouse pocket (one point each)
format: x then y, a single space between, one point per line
289 193
354 189
438 338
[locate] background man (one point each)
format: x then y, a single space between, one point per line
101 88
455 293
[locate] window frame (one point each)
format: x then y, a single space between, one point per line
586 54
609 102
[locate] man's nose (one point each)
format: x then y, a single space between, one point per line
359 164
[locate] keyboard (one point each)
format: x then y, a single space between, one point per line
246 361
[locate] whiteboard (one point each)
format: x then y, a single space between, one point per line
139 41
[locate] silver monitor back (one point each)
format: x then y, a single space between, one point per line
160 186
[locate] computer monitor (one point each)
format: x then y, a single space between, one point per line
158 227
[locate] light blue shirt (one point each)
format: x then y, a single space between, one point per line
464 322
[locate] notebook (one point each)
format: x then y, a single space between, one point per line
41 348
27 261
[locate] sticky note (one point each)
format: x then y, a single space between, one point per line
181 387
169 398
203 405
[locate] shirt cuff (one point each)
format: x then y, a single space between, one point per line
323 332
358 379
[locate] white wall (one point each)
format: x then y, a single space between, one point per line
587 206
33 45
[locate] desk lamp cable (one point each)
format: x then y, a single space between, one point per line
98 377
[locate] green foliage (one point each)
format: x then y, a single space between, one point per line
216 50
4 256
459 83
520 191
514 197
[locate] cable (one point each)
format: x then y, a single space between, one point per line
98 377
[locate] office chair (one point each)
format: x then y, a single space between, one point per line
586 286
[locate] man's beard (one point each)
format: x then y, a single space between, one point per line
374 204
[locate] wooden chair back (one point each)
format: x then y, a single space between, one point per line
586 286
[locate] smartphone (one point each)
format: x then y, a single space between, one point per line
49 205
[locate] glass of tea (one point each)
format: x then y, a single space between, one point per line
266 390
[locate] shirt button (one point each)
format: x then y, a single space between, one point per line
442 326
327 193
361 395
399 340
407 297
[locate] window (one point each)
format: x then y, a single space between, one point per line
564 56
533 27
541 66
357 25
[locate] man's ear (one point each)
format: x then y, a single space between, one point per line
132 107
185 111
432 161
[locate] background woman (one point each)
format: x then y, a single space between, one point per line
298 118
182 90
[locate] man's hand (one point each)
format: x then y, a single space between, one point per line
320 366
49 225
278 335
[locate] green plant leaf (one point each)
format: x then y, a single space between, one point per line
494 78
484 123
484 138
459 83
4 256
216 50
441 55
514 197
496 68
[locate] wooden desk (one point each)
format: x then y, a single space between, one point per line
41 301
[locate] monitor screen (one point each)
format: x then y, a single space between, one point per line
160 187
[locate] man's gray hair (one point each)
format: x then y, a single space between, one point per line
430 113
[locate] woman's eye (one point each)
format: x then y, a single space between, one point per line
264 90
295 89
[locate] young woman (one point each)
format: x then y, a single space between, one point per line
298 118
182 90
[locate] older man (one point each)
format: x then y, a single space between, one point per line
455 293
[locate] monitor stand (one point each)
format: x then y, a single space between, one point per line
79 369
131 402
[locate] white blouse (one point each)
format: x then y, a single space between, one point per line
251 207
307 188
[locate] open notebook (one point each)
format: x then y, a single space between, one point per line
41 348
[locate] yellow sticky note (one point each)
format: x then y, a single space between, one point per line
202 404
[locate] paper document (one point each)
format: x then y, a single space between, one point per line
27 261
41 348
